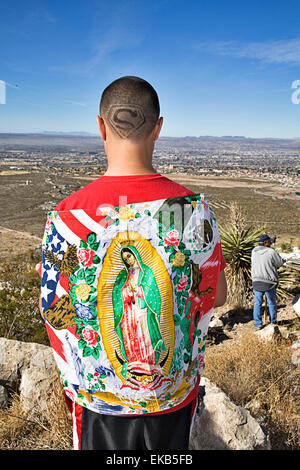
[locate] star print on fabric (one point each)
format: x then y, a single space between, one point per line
45 292
55 240
63 246
52 274
56 243
50 277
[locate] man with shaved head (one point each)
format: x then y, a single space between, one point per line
130 106
126 326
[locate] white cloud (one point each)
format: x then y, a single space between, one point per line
273 52
76 103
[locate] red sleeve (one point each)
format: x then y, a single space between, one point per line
221 257
64 204
39 269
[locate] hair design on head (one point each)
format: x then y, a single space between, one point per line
124 119
130 106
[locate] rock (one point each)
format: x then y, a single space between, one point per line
216 323
296 353
27 368
296 344
3 397
296 304
222 425
269 332
216 332
254 406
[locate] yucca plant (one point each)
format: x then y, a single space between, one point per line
237 249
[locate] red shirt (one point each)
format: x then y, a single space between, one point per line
107 190
137 188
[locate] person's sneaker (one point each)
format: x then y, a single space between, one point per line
257 327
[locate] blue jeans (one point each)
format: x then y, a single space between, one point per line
258 310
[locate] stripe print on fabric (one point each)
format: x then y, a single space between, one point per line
77 425
127 295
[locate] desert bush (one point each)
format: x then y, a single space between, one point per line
286 247
260 376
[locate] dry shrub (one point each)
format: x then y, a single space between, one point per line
237 294
238 240
50 430
260 375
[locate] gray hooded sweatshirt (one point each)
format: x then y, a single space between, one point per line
264 264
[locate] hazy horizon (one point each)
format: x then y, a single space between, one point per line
90 134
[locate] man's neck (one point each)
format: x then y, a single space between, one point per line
129 158
119 171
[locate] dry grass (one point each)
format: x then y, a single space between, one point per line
260 376
51 430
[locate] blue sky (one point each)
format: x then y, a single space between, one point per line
219 67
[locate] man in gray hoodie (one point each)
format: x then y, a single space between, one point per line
264 265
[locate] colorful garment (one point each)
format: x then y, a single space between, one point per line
127 296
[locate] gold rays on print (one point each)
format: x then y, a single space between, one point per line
112 266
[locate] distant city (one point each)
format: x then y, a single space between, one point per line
229 156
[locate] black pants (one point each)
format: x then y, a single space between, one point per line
169 431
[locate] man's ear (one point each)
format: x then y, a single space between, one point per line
157 128
101 126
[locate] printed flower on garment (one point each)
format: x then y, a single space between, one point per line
179 259
139 209
204 202
48 225
84 312
200 361
95 382
182 283
90 336
126 213
172 238
83 291
108 212
85 255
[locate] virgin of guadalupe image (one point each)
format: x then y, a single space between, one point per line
137 308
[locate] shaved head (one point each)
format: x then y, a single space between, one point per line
130 106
